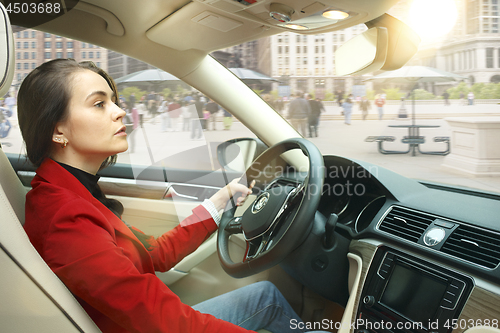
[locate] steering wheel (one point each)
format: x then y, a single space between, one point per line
281 216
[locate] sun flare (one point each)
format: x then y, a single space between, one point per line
433 18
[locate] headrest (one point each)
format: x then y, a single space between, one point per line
6 52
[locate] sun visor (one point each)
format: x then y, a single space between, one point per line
194 19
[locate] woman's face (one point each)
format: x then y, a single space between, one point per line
94 128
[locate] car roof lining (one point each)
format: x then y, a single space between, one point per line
116 24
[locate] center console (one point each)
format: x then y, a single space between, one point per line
406 294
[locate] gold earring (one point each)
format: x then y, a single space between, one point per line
64 144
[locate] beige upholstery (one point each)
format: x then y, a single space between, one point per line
32 298
14 189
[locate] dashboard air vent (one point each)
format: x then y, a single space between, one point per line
406 223
479 246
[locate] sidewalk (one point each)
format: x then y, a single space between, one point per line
426 110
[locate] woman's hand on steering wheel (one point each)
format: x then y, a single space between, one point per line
221 198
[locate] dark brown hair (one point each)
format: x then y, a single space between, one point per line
43 101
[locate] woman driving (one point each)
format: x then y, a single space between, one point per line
72 127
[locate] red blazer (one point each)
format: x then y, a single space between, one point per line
105 266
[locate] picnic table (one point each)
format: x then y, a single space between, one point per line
413 139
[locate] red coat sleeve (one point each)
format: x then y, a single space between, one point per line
177 243
99 266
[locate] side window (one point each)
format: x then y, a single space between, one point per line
166 121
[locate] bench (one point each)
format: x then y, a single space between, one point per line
444 139
415 140
380 140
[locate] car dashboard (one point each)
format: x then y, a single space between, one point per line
421 258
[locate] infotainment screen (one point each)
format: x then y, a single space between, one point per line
413 293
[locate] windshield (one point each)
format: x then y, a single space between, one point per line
441 129
438 129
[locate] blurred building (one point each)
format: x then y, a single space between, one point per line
471 49
120 65
254 55
34 48
241 56
306 62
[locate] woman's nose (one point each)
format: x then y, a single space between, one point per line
118 112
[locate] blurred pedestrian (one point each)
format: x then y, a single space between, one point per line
470 98
197 120
134 112
446 97
313 118
228 120
212 108
298 112
131 100
364 106
321 108
347 106
141 108
164 115
149 100
380 102
4 121
402 109
174 112
153 107
340 97
187 109
10 102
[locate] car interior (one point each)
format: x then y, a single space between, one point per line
398 255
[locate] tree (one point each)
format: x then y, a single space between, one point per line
454 92
423 94
393 94
166 92
329 96
129 90
370 94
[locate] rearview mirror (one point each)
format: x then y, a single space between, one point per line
388 44
364 53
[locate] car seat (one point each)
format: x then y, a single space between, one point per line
33 298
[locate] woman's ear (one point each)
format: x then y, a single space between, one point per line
58 135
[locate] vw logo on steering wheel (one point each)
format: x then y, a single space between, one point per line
260 202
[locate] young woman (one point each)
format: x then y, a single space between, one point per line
72 126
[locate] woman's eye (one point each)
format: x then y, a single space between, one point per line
99 105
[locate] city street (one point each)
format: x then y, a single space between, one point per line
335 138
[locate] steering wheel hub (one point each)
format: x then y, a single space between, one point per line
265 211
260 202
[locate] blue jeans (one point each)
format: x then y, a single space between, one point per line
256 306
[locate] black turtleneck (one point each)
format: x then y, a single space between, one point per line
87 179
90 182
